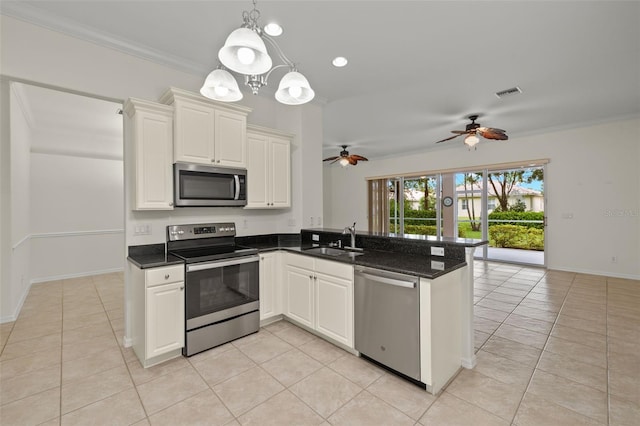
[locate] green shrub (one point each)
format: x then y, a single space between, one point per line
516 236
515 216
416 229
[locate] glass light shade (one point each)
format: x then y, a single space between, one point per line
294 83
344 162
235 53
471 140
221 86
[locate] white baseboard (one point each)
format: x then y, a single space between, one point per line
599 273
76 275
16 312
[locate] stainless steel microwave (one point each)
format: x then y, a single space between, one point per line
196 185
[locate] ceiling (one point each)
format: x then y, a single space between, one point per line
416 68
69 124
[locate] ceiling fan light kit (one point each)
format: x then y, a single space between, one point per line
473 130
344 159
245 53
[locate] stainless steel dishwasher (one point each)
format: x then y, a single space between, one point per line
387 319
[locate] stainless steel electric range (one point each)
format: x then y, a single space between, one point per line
221 284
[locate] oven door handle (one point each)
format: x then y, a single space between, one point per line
237 180
221 264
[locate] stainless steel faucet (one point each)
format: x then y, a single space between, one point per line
351 230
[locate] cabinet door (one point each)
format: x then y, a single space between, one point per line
153 173
280 175
230 139
299 295
194 132
165 318
269 305
257 169
334 308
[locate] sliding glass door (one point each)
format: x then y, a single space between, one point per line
502 206
516 217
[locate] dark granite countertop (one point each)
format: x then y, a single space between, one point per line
407 261
151 256
463 242
422 266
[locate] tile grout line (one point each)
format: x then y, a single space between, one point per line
542 351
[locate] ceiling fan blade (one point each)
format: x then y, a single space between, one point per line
452 137
352 160
331 158
491 133
459 132
359 157
336 159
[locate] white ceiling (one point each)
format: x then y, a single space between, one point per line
69 124
416 68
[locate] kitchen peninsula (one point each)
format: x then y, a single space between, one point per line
311 284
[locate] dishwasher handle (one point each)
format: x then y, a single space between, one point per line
389 281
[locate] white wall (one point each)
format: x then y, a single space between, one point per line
593 173
40 55
77 216
17 237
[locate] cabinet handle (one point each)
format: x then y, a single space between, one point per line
310 277
182 288
166 276
213 160
170 204
218 161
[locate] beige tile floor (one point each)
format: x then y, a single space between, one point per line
553 348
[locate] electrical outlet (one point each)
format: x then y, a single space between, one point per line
311 221
319 220
245 224
437 251
142 230
614 259
437 265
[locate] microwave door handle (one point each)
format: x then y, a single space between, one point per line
237 180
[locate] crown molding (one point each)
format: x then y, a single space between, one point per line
34 15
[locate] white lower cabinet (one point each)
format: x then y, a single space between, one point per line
158 313
319 294
299 296
270 288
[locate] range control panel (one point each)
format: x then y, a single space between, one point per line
202 230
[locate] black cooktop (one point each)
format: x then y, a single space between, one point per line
210 253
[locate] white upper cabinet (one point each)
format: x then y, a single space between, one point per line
268 168
149 141
206 131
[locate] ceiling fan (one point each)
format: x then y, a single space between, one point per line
344 158
474 129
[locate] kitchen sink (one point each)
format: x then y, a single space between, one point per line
330 251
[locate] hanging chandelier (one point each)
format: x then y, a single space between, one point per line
245 52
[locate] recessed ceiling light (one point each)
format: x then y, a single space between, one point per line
273 29
339 61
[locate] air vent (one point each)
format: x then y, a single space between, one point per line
508 92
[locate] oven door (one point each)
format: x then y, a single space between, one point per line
219 290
